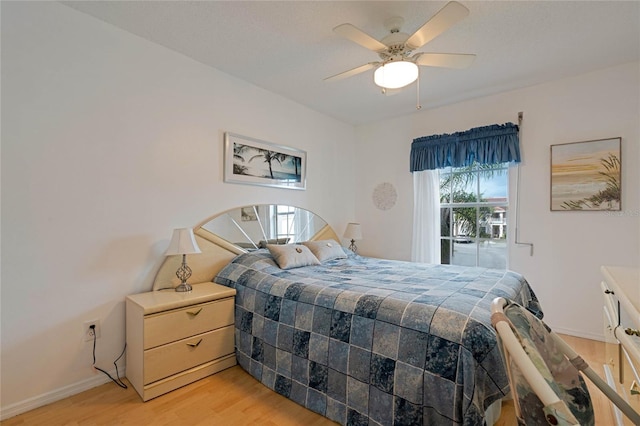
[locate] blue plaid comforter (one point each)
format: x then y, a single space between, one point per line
368 341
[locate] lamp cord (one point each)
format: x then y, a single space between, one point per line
117 380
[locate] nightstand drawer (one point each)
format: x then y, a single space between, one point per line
163 361
173 325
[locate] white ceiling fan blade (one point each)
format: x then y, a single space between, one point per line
351 72
358 36
445 60
451 13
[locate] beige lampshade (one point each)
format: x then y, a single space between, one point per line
353 232
183 242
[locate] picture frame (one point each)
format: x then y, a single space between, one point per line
249 214
586 176
256 162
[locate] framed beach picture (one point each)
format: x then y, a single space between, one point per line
255 162
586 175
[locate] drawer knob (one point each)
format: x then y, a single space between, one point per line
193 314
634 388
632 332
195 345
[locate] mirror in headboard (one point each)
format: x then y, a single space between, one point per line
236 231
253 227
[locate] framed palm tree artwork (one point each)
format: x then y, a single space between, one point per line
255 162
586 176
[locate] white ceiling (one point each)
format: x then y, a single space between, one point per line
288 47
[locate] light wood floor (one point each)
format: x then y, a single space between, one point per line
233 397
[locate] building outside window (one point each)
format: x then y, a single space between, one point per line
473 215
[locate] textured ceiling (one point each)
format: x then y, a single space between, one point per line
288 47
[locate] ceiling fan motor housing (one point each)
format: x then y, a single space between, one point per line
396 47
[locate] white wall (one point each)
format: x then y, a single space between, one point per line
108 143
569 246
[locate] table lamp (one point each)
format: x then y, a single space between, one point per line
183 242
353 233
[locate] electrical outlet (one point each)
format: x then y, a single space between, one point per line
89 332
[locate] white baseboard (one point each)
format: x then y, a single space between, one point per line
591 336
55 395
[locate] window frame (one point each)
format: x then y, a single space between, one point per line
289 213
476 170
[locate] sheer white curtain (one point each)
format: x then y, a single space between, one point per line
426 217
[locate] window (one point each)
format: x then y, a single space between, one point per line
284 223
473 215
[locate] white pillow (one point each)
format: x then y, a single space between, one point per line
326 249
292 255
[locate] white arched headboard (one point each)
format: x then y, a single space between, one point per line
225 235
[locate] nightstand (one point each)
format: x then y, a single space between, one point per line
174 339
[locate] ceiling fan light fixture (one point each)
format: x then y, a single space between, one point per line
396 74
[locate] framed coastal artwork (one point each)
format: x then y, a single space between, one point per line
586 175
255 162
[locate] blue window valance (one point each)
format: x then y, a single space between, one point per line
497 143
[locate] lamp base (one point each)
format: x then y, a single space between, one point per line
183 273
353 246
184 287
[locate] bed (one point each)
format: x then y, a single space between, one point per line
369 341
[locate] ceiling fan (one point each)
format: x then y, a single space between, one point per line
398 67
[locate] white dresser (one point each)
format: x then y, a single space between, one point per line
621 293
176 338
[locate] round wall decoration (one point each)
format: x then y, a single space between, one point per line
384 196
